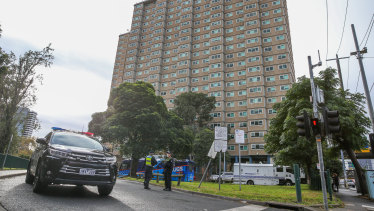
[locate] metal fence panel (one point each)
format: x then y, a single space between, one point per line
13 162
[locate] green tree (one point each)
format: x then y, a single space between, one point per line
194 108
137 117
283 141
18 78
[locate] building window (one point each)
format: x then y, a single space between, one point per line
257 146
243 148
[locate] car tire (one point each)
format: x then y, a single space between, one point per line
29 178
250 182
104 190
39 184
288 183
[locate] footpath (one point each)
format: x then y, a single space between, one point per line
353 201
11 173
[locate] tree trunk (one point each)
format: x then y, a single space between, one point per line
134 166
308 173
359 170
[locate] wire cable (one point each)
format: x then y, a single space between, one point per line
367 30
371 87
345 18
327 29
372 23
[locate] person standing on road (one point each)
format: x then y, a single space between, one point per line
150 161
168 169
335 179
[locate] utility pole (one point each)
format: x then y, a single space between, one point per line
342 87
6 154
318 137
363 75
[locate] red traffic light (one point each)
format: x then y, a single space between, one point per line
315 122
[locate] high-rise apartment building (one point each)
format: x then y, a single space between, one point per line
236 50
26 119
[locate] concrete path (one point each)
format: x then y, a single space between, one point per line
11 173
353 201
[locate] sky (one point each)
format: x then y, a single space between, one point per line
84 35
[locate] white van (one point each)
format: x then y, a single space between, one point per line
264 174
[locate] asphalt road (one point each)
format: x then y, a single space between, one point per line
15 194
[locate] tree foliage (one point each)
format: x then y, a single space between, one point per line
18 78
282 139
194 108
138 120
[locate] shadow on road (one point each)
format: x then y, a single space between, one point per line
59 197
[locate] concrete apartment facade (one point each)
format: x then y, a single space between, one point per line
236 50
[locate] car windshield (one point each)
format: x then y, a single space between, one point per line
75 140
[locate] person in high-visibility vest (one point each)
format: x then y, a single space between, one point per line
150 161
168 169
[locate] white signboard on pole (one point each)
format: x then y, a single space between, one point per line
239 136
220 133
211 152
220 145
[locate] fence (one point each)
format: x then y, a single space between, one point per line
13 162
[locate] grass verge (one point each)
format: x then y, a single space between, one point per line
264 193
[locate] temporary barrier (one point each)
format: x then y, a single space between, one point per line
13 161
181 167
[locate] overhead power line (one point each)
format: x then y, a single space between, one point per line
327 29
371 87
345 18
372 23
368 29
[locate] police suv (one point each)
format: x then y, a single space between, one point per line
66 157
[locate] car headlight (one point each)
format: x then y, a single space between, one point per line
58 153
111 159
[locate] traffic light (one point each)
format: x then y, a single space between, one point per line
315 126
371 139
303 124
331 119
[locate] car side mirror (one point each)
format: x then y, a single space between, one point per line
106 149
41 141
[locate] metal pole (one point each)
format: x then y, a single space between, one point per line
224 162
207 167
345 173
219 172
6 154
240 172
363 75
318 138
342 87
339 72
297 182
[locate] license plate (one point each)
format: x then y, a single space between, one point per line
87 171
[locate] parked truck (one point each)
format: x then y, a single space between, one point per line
264 174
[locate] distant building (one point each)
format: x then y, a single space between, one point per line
236 50
26 119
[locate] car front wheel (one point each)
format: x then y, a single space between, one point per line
29 178
39 185
104 190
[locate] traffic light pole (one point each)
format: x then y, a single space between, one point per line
342 87
318 137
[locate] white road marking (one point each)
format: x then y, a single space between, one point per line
368 207
248 207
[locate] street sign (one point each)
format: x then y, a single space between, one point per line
220 145
220 133
211 152
239 136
